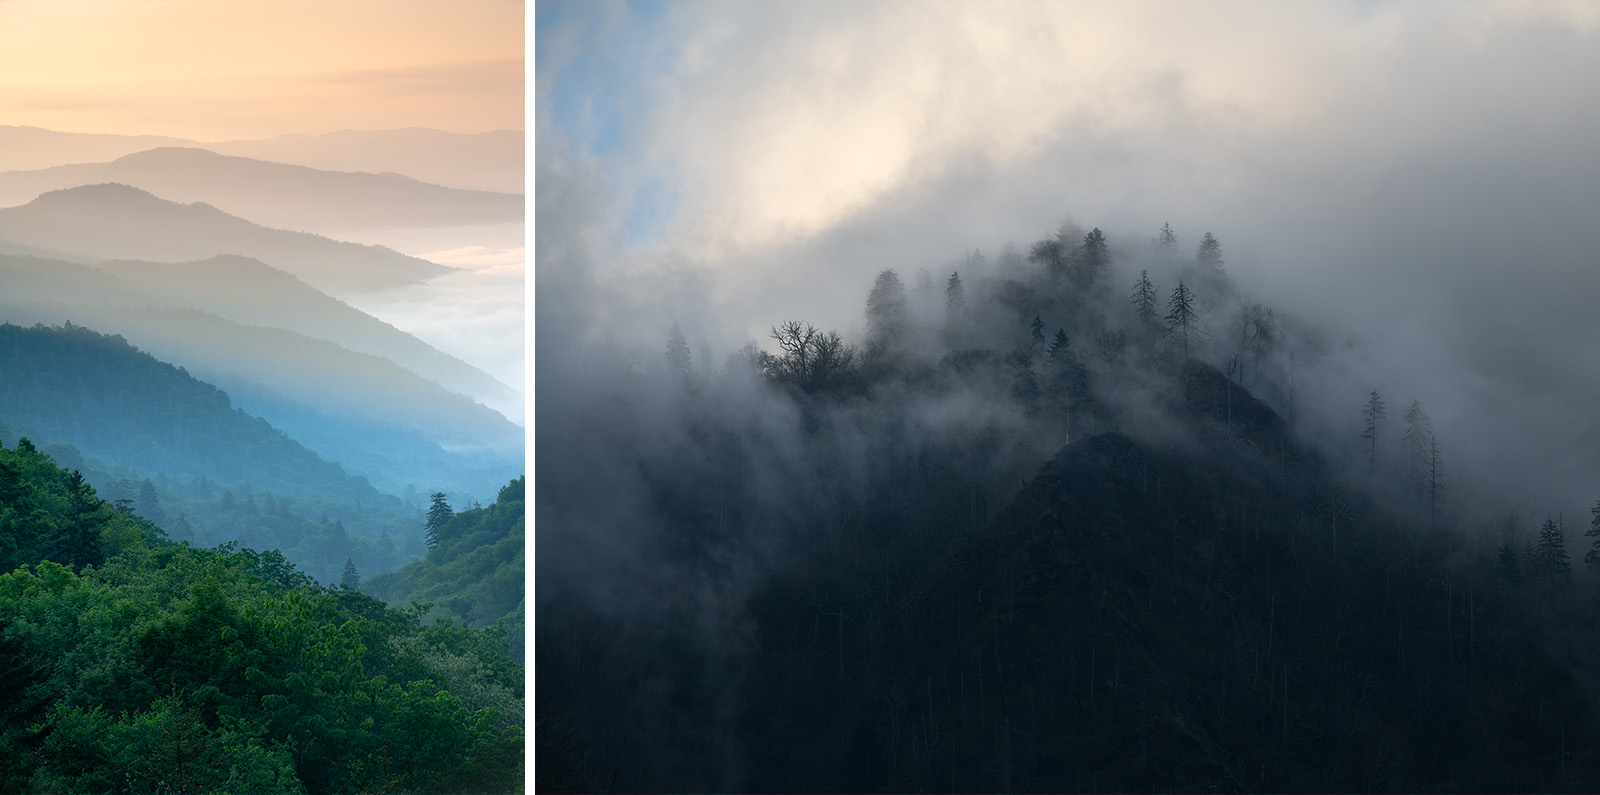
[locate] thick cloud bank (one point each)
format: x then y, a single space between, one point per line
1415 180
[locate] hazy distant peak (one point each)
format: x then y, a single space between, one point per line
101 191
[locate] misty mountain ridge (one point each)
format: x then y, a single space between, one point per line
361 410
94 223
491 161
277 195
1060 521
249 292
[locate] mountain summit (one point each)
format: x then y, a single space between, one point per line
107 221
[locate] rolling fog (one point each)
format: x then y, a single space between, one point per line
1413 182
1410 188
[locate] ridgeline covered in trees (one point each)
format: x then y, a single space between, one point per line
1058 522
134 664
175 448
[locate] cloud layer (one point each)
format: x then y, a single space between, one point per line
1418 179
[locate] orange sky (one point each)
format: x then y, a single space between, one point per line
226 69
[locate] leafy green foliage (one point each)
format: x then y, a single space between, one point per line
169 668
475 573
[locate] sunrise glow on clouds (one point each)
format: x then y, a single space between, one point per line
730 127
258 68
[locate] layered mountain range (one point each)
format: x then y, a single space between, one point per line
219 262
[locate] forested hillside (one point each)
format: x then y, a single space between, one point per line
147 432
1057 522
133 664
474 569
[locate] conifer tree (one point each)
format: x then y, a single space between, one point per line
1168 240
677 354
1373 414
1037 329
955 306
352 577
77 541
1550 564
1418 438
1144 301
1060 347
439 513
955 296
1182 318
1591 559
1209 257
150 503
886 313
1093 258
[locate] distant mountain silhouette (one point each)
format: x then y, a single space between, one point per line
224 316
491 161
277 195
109 221
26 148
248 291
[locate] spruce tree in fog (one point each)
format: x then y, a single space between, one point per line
1550 564
1208 259
1419 441
1037 329
955 309
1182 317
677 354
1144 302
1092 260
886 316
1060 347
1373 415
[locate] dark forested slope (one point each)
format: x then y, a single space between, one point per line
1203 619
1039 530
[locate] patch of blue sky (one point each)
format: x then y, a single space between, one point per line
598 96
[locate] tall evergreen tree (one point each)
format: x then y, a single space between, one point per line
955 309
886 311
1037 329
352 577
1419 441
1168 240
1144 301
1208 259
1373 414
77 540
1061 346
439 513
150 503
1550 564
1092 260
677 354
1182 317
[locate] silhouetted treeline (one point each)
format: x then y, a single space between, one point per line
838 566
